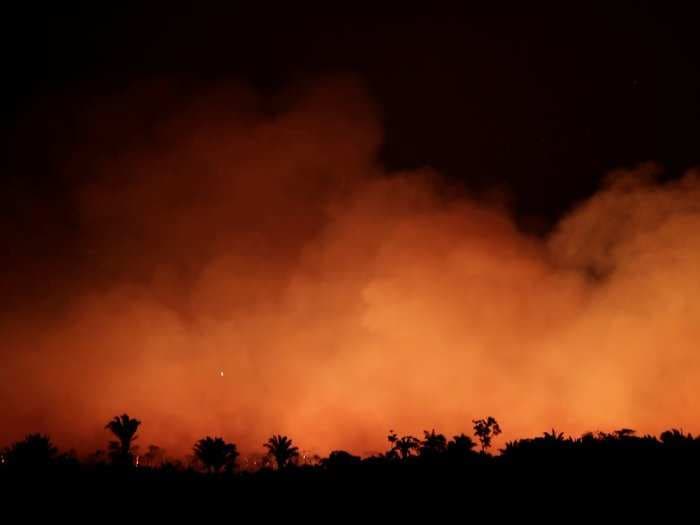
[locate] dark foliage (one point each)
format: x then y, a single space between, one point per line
215 454
34 451
408 463
124 429
282 449
485 430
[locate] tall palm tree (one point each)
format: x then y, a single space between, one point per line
215 453
281 448
124 429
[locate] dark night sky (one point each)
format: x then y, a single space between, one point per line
539 102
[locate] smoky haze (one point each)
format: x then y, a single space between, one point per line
261 238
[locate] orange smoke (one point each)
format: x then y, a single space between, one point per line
265 241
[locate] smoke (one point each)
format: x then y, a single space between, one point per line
261 238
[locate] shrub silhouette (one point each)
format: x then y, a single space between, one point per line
35 451
675 438
340 459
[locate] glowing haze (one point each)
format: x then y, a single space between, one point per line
251 268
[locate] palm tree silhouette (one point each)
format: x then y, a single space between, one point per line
433 445
554 436
281 448
124 429
392 438
215 453
460 448
405 445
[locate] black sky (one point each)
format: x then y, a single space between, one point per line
537 101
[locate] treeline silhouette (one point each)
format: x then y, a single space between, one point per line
215 458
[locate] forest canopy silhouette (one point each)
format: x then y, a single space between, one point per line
214 458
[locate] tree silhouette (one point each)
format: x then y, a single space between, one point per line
460 448
154 457
34 451
624 433
281 448
675 438
405 445
433 445
215 453
340 459
124 429
485 430
409 457
392 438
97 457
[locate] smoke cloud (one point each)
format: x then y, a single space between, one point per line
262 239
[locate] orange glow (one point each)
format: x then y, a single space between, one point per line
342 301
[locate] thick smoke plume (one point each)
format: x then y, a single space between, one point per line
261 238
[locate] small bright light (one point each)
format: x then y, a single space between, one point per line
221 373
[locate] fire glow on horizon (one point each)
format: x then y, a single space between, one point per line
342 301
